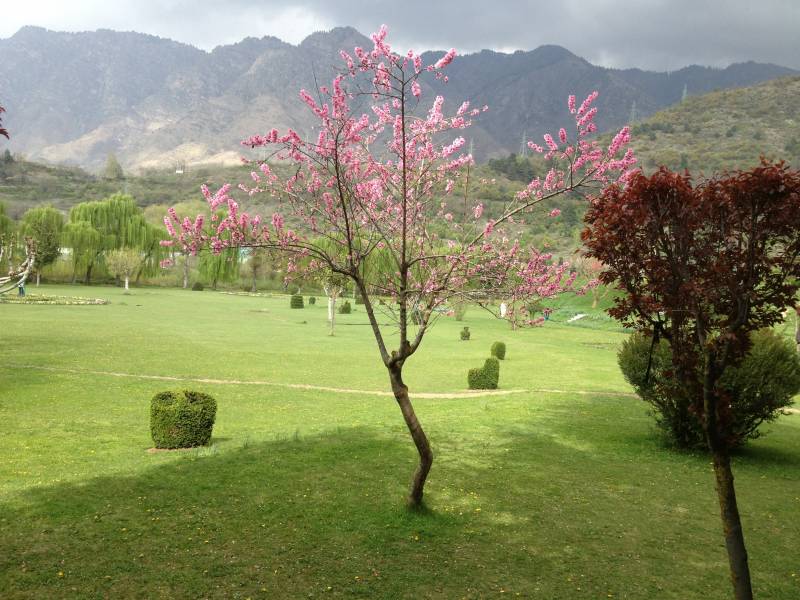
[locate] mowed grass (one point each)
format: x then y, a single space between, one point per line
539 494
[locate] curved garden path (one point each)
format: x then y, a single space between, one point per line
321 388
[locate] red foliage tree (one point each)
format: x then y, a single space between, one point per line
703 266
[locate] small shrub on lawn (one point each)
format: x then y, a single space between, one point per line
182 419
345 308
296 301
499 350
197 286
465 334
312 300
359 299
759 387
485 378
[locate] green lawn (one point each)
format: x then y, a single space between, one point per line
540 494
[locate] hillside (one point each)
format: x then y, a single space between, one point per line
74 97
726 129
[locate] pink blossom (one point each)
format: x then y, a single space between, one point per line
555 212
478 211
446 59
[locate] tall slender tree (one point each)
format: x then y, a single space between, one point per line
378 179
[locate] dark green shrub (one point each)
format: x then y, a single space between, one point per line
499 350
345 308
296 301
485 378
182 419
465 334
358 299
312 300
416 316
759 387
197 286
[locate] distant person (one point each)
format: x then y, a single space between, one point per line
21 288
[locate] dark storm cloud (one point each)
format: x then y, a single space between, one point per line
652 34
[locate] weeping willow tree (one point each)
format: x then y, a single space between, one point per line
116 223
44 225
222 267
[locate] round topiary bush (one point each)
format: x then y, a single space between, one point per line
465 334
312 300
296 301
762 385
197 286
485 378
345 308
182 419
499 350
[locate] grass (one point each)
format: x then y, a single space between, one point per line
536 494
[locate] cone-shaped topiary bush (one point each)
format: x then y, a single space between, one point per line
182 419
296 301
465 334
345 308
312 300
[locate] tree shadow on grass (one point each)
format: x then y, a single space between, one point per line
284 519
524 512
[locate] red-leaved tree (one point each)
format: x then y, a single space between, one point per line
703 267
367 195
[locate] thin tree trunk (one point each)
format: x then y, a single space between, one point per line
417 434
732 527
185 272
253 287
38 278
726 493
332 312
797 328
126 283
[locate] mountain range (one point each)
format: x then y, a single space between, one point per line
73 98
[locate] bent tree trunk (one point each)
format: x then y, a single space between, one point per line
400 391
732 527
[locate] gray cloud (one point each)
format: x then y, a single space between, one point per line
650 34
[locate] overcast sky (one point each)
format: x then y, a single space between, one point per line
651 34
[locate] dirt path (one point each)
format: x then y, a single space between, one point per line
321 388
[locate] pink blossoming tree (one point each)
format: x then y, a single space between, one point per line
366 195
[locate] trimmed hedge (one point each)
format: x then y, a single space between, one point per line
465 334
345 308
312 300
485 378
296 301
499 350
197 286
182 419
759 387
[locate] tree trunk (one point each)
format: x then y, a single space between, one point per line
417 434
253 287
726 493
332 312
89 275
38 278
126 283
732 527
185 272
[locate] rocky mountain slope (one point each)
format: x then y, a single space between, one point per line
74 97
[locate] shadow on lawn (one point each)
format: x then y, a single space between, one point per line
518 510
